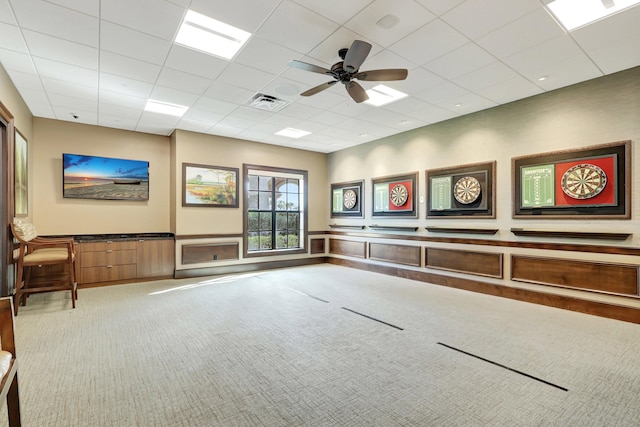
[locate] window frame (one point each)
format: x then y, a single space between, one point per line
249 169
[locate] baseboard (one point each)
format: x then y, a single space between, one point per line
245 268
612 311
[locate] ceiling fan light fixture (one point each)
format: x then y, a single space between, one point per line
381 95
208 35
574 14
292 133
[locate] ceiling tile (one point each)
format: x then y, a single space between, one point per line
59 87
328 50
438 7
336 10
214 106
326 99
12 38
429 42
489 75
88 7
432 114
158 18
266 55
245 77
386 118
296 27
26 80
328 118
194 125
134 44
121 100
48 18
530 30
201 115
183 81
6 14
128 67
618 56
475 18
194 62
66 72
44 46
247 15
12 60
125 85
609 31
510 90
411 14
567 72
228 93
460 61
300 111
68 115
73 103
172 96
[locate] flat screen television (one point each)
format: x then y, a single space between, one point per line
106 178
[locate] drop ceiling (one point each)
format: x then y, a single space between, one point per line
101 60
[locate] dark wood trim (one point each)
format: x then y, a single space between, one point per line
611 278
122 282
318 232
392 228
354 227
317 246
7 158
348 248
602 309
244 268
478 263
398 254
461 230
210 252
570 234
207 236
572 247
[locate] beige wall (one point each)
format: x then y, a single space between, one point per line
13 102
595 112
53 214
220 151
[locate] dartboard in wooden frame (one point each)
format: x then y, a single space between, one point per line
467 190
583 181
349 199
398 195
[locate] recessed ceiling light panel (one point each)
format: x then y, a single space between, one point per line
382 95
165 108
208 35
293 133
573 14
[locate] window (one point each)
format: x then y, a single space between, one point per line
275 216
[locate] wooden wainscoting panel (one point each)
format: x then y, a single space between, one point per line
399 254
478 263
317 246
207 252
591 275
347 247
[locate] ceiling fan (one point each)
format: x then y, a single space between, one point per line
348 69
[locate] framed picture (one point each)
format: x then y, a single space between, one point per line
592 182
21 194
462 192
347 199
395 196
209 186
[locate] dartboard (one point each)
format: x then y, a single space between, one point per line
583 181
349 199
467 190
399 195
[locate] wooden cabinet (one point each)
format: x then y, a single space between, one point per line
124 260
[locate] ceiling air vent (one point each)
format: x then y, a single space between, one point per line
266 102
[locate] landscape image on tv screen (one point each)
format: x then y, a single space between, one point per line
93 177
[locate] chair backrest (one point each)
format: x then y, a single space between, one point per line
24 231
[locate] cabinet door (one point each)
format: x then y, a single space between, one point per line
156 258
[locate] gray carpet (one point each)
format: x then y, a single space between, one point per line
319 346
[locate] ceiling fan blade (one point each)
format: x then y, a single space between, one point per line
356 91
308 67
383 75
356 55
318 88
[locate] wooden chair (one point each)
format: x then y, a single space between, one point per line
8 363
40 251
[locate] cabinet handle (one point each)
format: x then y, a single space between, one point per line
109 251
109 266
109 242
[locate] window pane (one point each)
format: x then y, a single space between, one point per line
265 201
253 200
253 182
293 221
281 240
281 221
265 183
281 201
293 202
253 241
265 240
265 220
253 221
292 240
293 185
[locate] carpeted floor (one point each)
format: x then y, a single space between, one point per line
319 346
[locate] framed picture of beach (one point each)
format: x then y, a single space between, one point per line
209 186
20 176
104 178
